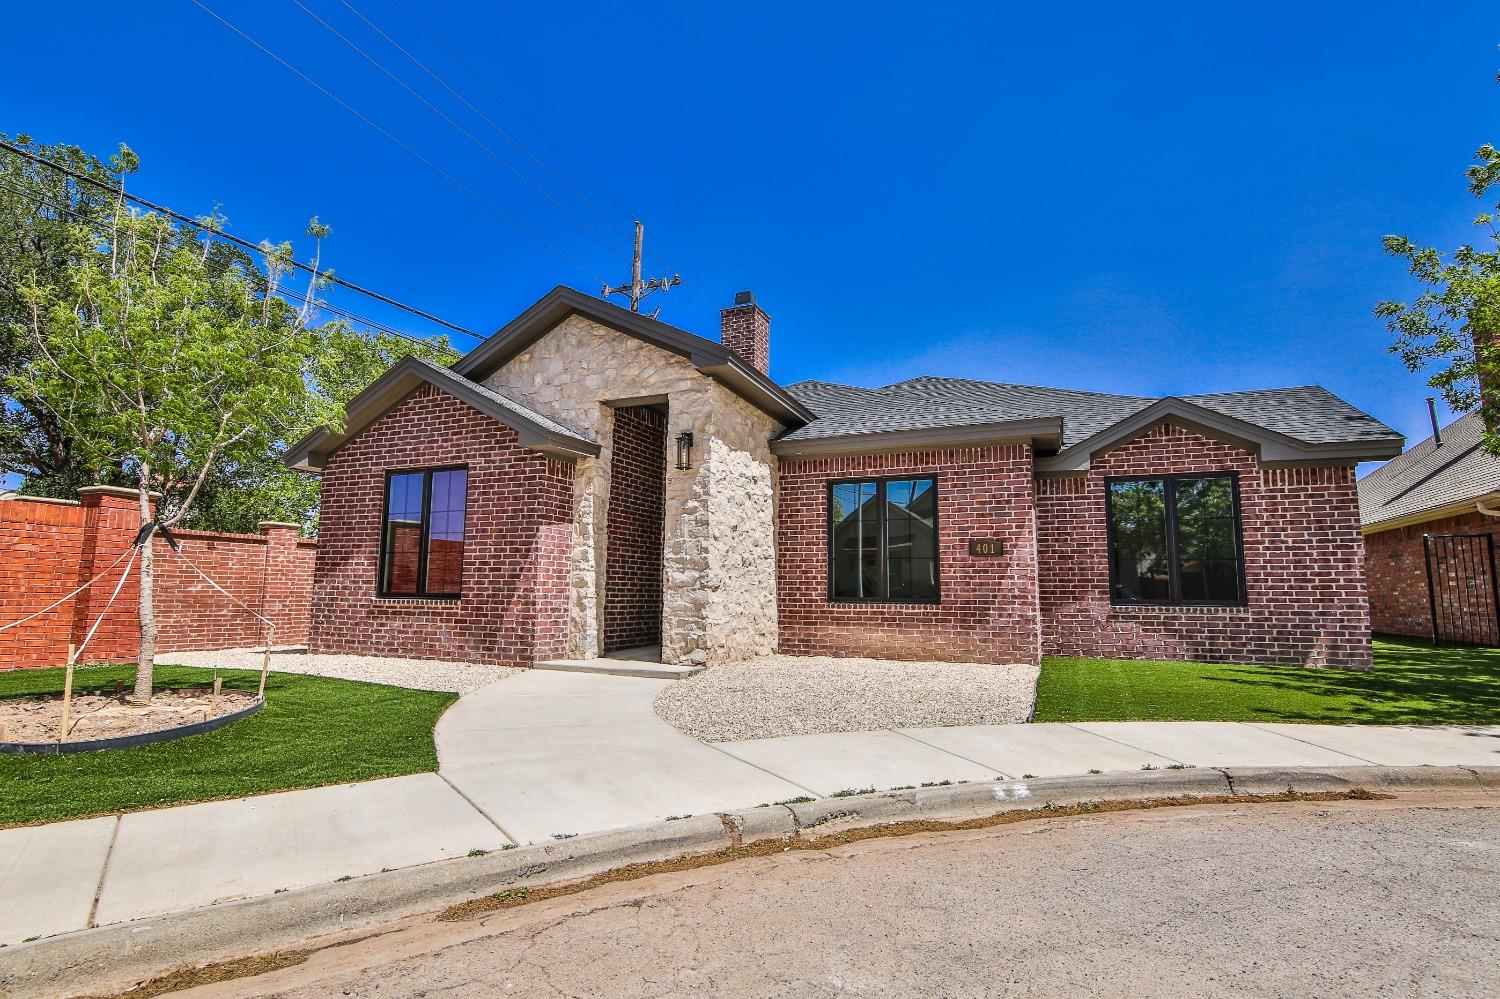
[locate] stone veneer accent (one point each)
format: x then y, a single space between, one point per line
1304 563
720 563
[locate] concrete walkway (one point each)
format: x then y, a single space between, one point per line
550 754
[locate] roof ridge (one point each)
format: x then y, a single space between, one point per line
1259 391
1013 385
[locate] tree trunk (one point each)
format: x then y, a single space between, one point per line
146 661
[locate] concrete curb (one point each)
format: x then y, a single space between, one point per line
117 957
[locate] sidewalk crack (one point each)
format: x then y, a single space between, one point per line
109 854
475 805
949 752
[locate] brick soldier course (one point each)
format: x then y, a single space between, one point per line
582 525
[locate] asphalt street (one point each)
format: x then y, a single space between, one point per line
1380 898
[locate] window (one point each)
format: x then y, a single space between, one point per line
422 540
1175 539
883 540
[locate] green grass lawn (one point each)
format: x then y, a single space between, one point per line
312 731
1412 683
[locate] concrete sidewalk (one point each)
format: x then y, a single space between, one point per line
546 755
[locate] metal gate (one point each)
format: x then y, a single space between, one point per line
1462 588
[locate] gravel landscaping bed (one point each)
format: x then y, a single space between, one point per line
414 674
805 695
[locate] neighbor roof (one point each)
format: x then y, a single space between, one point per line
533 430
1291 424
1431 477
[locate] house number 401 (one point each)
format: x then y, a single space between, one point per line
984 546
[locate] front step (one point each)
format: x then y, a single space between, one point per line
610 666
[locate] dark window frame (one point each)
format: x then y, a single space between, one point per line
882 580
425 526
1174 569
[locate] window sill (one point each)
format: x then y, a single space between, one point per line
1154 609
415 601
885 603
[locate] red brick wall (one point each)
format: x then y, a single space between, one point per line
270 572
518 531
1394 562
633 552
43 549
746 330
1304 564
988 610
53 547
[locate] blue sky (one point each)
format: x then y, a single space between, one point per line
1183 199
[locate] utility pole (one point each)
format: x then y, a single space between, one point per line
637 290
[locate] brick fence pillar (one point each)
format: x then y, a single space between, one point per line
112 518
282 599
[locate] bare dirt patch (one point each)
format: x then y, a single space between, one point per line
105 716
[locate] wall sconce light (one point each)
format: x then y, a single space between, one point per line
685 450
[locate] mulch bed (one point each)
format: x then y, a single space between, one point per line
105 716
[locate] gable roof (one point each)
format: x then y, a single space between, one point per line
1307 423
708 356
1430 477
534 431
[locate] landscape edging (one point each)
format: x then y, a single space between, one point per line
129 741
118 956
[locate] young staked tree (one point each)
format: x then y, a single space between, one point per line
1453 325
167 355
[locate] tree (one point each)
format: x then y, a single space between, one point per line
1453 324
40 238
164 355
245 490
49 223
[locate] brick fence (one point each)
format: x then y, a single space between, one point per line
48 547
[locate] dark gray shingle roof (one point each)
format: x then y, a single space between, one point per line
1309 414
1427 477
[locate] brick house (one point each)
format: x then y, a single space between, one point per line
589 481
1429 518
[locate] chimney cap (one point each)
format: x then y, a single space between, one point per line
744 298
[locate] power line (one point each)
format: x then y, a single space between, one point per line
498 95
103 226
490 121
451 123
387 135
507 102
218 234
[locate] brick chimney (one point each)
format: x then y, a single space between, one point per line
746 330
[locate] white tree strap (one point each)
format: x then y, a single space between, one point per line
70 596
100 619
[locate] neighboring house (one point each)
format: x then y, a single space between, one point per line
590 480
1428 517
